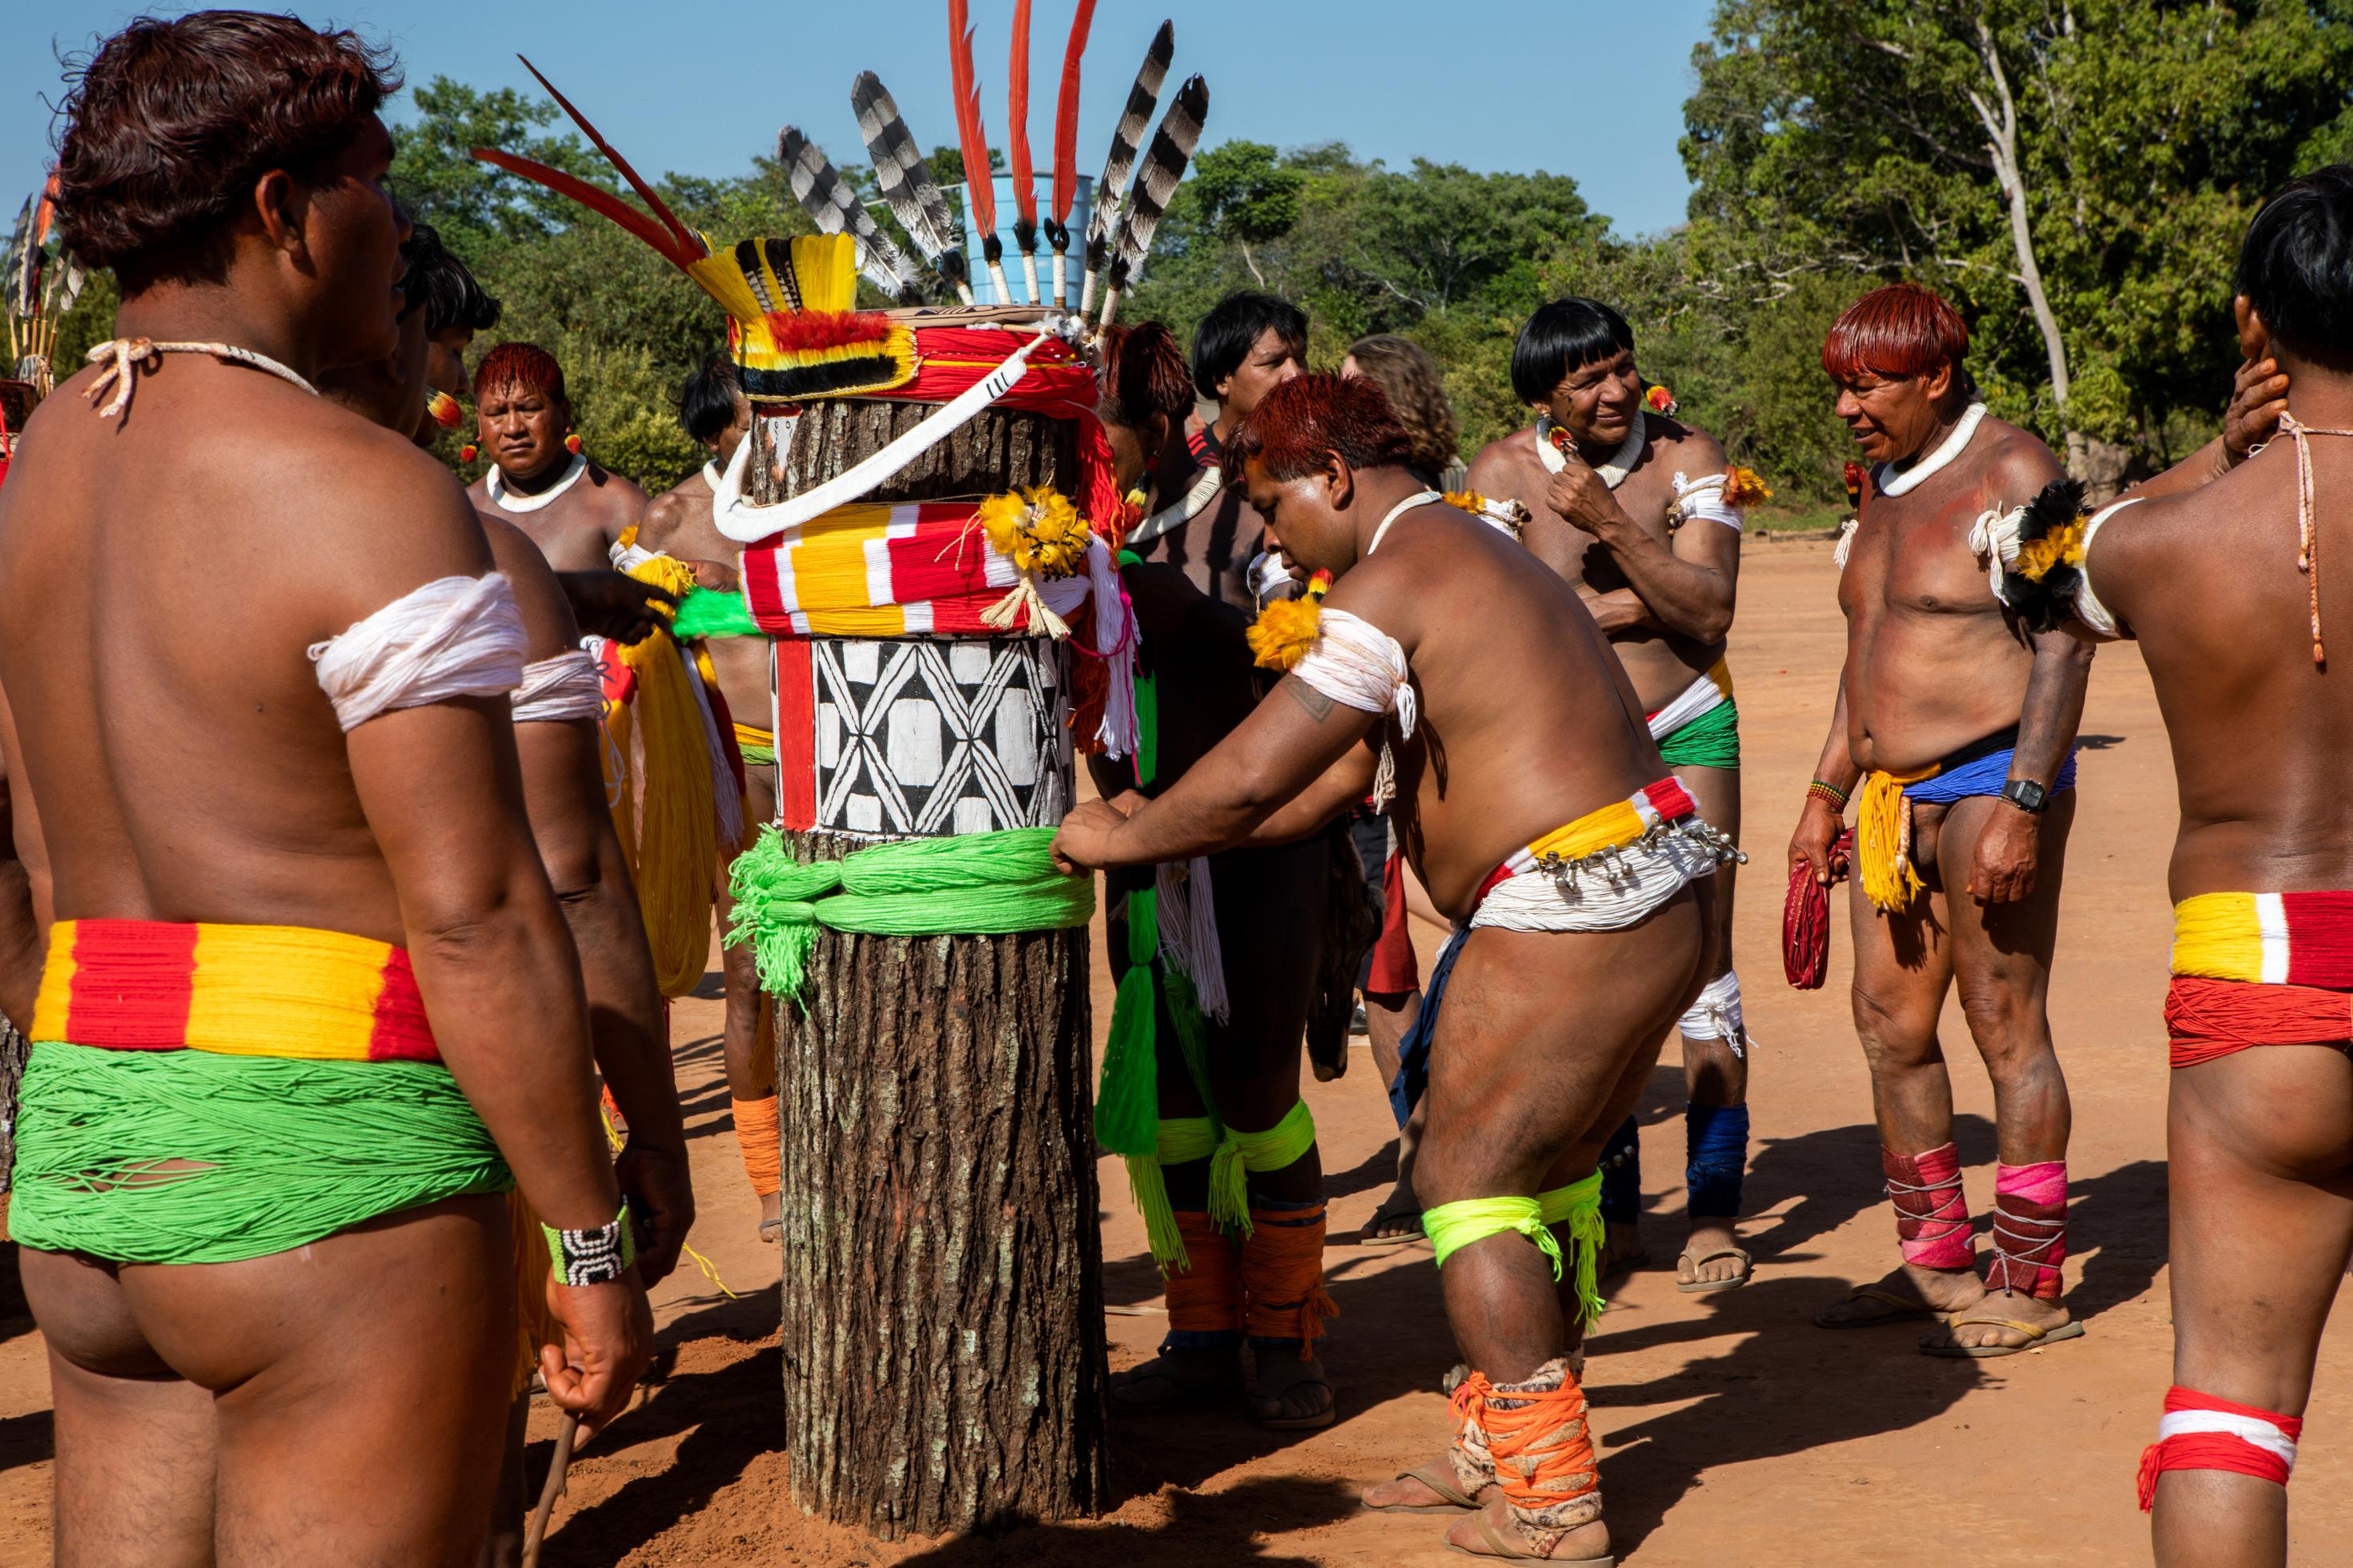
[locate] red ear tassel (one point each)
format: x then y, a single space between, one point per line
572 443
468 452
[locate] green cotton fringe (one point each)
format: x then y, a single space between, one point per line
1240 1153
1710 741
707 613
974 884
195 1157
1579 1205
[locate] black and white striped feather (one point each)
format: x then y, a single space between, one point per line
23 274
833 206
1142 98
915 198
1156 178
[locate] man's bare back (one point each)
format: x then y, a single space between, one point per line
1932 663
1661 663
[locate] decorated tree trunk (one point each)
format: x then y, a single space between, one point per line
942 1300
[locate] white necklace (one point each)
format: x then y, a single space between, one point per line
1419 497
1621 462
711 475
1891 483
495 481
124 358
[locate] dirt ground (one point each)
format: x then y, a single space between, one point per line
1731 1430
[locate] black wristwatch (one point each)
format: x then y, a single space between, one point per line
2026 794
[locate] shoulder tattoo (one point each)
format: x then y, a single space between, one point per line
1318 706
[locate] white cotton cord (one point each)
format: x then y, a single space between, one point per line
1183 510
1115 641
1703 498
557 690
1188 931
454 636
1621 462
1714 1014
1993 540
495 482
724 795
1608 891
1845 546
1888 482
624 556
2248 1429
1357 665
1419 497
2096 617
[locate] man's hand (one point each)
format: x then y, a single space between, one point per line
1083 842
716 575
2003 871
1582 499
2258 398
617 606
1815 842
609 1337
660 1196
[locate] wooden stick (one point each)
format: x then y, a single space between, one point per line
537 1530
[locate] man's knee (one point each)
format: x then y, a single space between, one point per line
2005 1018
1895 1032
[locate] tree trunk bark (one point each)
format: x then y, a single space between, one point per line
942 1299
13 1052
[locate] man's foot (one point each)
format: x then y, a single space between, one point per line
1431 1489
1176 1378
1357 1023
772 1217
1712 1259
1622 1253
1397 1219
1999 1325
1290 1394
1906 1296
1494 1532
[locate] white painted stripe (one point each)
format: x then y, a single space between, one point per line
1702 697
916 617
2271 919
2248 1429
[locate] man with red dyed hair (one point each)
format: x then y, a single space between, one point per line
538 479
1959 726
1547 824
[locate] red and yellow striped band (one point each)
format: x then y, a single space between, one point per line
1620 822
238 990
2276 939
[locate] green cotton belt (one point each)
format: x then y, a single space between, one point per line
197 1157
974 884
1710 741
1452 1227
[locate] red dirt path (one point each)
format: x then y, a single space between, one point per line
1733 1432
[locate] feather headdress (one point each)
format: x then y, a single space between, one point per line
791 304
1126 139
915 198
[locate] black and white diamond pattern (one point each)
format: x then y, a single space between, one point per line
928 737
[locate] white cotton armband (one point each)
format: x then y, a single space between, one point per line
1703 498
1993 540
2096 617
455 636
554 690
1357 665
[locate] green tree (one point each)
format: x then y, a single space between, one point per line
470 203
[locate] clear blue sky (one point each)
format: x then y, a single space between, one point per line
1590 91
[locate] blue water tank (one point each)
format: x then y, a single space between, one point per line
1082 206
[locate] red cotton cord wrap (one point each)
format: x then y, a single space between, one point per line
2211 1018
2181 1445
1806 930
1058 384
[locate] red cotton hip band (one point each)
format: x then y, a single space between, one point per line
2208 1019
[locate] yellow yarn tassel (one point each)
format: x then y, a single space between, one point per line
676 818
1882 840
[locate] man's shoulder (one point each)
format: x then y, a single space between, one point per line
2016 457
1508 457
1686 447
681 512
608 489
539 593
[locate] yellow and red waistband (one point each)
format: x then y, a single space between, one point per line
2277 939
236 990
1620 822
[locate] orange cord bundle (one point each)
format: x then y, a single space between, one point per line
1205 1298
1539 1440
1283 1277
759 1138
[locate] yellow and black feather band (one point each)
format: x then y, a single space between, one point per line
2039 583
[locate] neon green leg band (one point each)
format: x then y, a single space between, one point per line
1182 1140
1579 1205
1280 1145
1453 1226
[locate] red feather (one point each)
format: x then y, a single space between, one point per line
1066 115
664 242
980 188
40 235
687 238
1025 194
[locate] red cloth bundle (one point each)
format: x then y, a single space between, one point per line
1806 922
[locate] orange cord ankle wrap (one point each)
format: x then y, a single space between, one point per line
1540 1445
757 1135
1283 1277
1208 1296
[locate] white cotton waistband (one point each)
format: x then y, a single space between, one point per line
1604 893
1703 498
2248 1429
1357 665
554 690
1703 696
455 636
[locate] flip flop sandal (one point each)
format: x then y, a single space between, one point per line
1365 1237
771 1232
1695 1287
1501 1545
1905 1310
2036 1338
1188 1393
1438 1476
1309 1423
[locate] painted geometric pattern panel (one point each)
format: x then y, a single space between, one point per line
926 738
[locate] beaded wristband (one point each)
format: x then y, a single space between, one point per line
1828 792
592 1257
